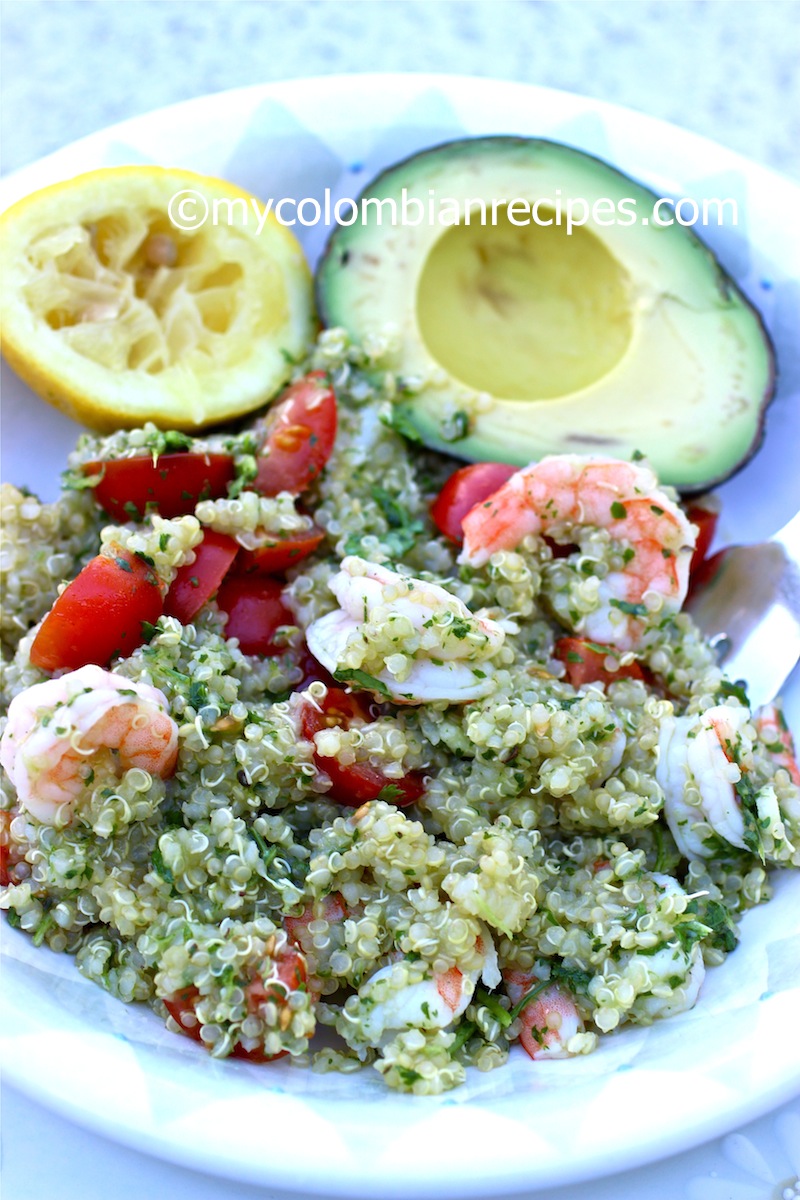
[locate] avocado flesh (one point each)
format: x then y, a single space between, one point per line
614 338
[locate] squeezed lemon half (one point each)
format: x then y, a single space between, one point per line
117 317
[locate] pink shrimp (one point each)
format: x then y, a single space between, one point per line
60 730
432 1003
562 494
549 1020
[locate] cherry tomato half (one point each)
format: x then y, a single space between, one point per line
278 553
197 582
255 608
331 907
290 969
464 489
312 671
355 783
585 662
299 430
705 518
174 483
99 615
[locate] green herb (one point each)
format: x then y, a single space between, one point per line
246 471
390 792
737 689
391 508
752 830
198 694
42 928
163 541
618 511
401 423
124 565
493 1005
76 481
456 427
354 675
531 994
14 919
403 531
464 1032
149 631
267 852
160 866
408 1076
166 440
604 650
574 978
133 512
633 610
637 456
658 511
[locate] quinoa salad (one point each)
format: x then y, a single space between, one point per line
306 725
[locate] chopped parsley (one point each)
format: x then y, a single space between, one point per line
160 866
390 792
398 420
633 610
354 675
737 689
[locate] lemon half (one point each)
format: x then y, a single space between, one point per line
117 317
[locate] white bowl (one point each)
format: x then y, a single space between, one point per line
646 1092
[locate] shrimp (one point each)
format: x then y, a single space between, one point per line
564 493
697 758
428 1003
673 981
549 1020
60 730
425 642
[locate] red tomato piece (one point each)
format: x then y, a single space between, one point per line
356 783
255 609
585 662
291 973
278 553
299 430
464 489
197 582
705 518
173 484
331 907
312 671
100 614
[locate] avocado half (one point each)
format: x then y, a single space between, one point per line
529 339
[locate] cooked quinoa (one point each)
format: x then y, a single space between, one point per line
240 891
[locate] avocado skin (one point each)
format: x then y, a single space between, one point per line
508 443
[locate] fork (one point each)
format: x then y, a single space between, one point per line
747 602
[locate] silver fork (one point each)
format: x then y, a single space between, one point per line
748 604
